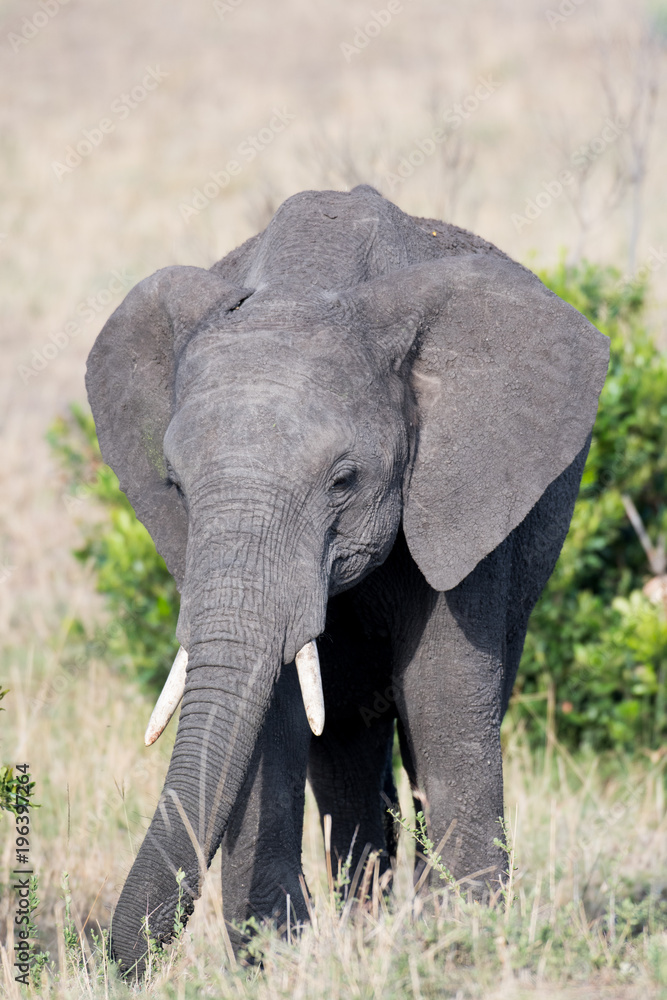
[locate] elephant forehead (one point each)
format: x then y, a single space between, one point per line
285 364
247 412
294 408
258 431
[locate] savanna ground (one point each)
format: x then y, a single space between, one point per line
590 834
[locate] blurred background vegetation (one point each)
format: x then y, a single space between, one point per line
596 652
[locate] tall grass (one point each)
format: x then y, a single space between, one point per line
584 907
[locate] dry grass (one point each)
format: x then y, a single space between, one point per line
589 910
581 836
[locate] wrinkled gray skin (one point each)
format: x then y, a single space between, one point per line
366 428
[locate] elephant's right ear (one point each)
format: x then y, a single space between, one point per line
130 383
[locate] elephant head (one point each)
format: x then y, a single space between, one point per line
273 422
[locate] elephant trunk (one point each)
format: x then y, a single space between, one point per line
240 630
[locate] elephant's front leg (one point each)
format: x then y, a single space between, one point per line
350 772
350 766
450 708
261 849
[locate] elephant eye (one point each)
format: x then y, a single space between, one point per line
343 481
172 478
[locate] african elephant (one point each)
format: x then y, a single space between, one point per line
364 429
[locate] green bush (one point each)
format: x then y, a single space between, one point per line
8 783
593 633
140 593
593 636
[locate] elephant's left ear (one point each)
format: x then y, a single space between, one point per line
506 377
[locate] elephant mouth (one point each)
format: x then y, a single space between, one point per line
310 680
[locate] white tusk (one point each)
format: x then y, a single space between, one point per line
308 668
168 702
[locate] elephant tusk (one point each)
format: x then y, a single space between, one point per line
308 668
168 702
310 680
